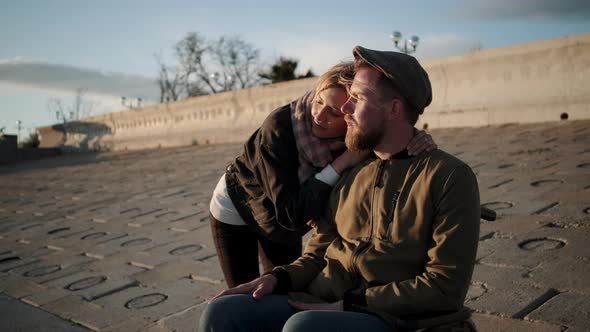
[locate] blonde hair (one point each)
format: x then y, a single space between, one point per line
339 76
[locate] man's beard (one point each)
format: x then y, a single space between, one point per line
358 140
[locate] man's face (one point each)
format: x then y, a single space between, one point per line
365 111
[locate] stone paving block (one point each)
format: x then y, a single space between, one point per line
154 303
29 250
209 290
119 243
567 274
70 306
17 287
97 235
512 225
57 230
568 309
176 270
543 245
26 231
138 325
102 318
88 285
45 270
188 216
521 254
180 246
189 225
124 263
16 262
492 323
47 273
212 272
18 316
500 290
520 203
186 321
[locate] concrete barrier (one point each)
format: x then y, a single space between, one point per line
535 82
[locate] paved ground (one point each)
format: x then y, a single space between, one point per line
120 241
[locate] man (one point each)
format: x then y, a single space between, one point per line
397 244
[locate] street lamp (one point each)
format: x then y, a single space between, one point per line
129 102
19 124
413 42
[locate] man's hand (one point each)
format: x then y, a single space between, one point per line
421 142
258 287
348 159
336 306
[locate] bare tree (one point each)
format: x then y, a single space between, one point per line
169 81
191 53
66 114
204 67
80 108
238 59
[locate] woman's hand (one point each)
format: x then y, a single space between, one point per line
258 287
421 142
348 159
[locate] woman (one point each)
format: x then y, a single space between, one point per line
283 179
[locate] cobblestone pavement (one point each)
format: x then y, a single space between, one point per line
121 242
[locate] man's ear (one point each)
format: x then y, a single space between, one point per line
396 109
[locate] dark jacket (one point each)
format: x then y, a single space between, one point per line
264 186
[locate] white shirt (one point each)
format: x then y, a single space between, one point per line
224 210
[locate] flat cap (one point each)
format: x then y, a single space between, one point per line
404 71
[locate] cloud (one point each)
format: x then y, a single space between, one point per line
321 53
316 54
528 9
14 60
66 78
432 46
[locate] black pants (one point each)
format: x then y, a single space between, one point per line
238 249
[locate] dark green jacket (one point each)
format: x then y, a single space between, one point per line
399 239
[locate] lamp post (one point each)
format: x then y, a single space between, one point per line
19 125
409 44
129 102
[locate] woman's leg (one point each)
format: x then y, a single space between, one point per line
237 249
310 321
242 313
273 254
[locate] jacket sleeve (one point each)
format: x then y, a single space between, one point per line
277 166
297 275
447 273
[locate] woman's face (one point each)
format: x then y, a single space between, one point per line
328 120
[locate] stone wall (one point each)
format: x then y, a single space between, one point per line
527 83
536 82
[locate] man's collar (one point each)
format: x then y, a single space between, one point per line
403 154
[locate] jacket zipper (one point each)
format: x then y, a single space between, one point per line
364 246
391 215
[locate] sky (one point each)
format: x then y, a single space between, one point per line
51 48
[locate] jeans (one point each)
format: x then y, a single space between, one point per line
273 313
